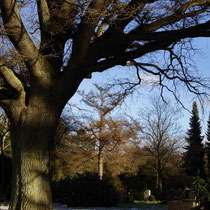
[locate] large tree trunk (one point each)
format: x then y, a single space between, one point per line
32 134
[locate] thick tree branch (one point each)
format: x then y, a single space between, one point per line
11 90
17 32
86 30
44 15
11 79
178 15
104 45
23 43
131 10
156 41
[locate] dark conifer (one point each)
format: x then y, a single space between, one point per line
194 155
208 144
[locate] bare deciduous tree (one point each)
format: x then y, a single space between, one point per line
102 131
162 136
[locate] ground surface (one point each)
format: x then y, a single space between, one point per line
122 206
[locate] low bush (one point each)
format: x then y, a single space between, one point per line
85 190
152 198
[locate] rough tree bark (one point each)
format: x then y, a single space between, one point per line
32 131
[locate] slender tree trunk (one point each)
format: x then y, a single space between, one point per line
159 183
100 165
32 135
156 186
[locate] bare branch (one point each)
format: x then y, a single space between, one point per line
44 14
179 14
12 80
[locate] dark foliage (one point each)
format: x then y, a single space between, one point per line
152 198
208 144
5 177
86 190
134 185
194 156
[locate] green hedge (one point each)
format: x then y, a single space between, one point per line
85 190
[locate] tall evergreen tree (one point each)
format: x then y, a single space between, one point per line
194 155
208 144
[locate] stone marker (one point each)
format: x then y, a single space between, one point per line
147 194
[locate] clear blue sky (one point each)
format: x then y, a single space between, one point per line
140 99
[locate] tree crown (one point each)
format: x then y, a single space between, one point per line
77 38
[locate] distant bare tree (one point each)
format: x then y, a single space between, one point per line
161 135
105 133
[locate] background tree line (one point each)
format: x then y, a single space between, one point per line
158 155
136 154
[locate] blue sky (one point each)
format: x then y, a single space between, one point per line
140 98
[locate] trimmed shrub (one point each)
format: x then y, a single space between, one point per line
152 198
85 190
